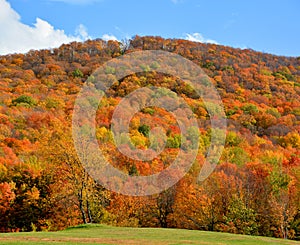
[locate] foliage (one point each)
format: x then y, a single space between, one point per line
24 100
253 190
144 129
77 73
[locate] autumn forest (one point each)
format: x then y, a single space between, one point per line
254 190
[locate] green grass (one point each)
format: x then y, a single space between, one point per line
101 234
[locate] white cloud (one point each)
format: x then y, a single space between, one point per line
81 31
77 2
197 37
17 37
107 37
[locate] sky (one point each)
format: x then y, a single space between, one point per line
271 26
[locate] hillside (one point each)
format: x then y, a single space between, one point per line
255 189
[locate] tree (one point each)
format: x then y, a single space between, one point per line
144 129
24 100
77 73
240 219
164 206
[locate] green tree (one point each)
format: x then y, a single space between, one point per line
24 100
144 129
77 73
242 218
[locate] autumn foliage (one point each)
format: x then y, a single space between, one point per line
254 190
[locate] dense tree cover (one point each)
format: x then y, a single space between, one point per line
255 188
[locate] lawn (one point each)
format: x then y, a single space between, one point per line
101 234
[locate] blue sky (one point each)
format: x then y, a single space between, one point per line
271 26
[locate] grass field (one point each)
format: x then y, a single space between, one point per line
100 234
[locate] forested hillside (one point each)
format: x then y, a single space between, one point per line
255 188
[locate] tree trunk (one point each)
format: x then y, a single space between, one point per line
82 208
89 211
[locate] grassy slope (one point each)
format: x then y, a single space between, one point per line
99 234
